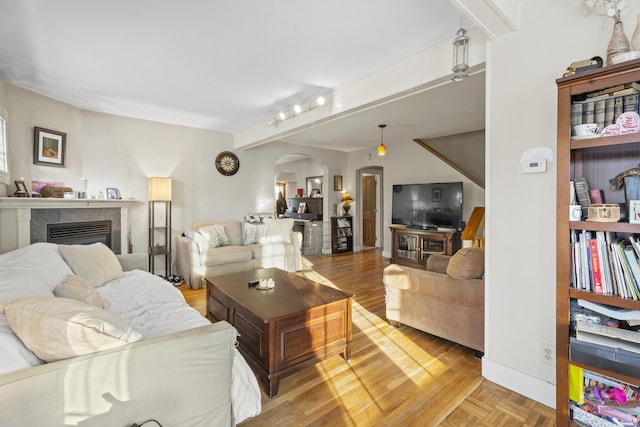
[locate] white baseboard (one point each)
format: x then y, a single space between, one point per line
533 388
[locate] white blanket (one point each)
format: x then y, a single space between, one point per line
152 306
155 307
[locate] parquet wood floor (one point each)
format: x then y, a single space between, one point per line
396 377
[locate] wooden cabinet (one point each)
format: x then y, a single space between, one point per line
598 160
413 247
341 234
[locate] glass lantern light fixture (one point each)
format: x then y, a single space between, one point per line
460 55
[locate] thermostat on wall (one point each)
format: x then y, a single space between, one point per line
535 166
534 160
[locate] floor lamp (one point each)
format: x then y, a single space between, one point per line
160 223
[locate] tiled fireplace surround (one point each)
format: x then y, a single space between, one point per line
24 220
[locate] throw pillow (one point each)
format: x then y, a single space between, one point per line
60 328
253 233
197 237
467 263
278 230
215 235
79 289
96 262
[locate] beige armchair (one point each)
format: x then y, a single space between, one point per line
446 299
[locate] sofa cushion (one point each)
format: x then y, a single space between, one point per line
253 233
39 262
278 230
228 255
77 288
467 263
215 235
96 262
438 263
60 328
232 229
196 236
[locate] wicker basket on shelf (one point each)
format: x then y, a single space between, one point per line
604 212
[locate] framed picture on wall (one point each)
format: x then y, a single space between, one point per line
337 182
302 207
49 147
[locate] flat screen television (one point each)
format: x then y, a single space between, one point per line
428 206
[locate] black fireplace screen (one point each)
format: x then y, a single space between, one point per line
80 233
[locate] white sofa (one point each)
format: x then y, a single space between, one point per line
145 355
216 248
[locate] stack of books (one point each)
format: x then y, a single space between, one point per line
603 107
605 265
605 337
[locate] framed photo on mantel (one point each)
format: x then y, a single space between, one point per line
49 147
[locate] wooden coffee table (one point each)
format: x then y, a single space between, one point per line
284 329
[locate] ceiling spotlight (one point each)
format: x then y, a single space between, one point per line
296 109
382 150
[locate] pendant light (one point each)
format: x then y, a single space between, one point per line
382 150
460 55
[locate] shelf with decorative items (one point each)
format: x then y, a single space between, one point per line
341 234
595 249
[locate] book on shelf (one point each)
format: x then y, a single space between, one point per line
576 113
582 192
609 112
596 195
631 187
573 199
598 113
617 333
622 89
588 112
596 266
631 103
618 107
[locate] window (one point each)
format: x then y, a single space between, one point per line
4 169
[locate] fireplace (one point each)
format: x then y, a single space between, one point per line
45 220
82 233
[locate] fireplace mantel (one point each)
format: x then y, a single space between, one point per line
56 203
15 216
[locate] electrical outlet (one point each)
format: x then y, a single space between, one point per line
548 354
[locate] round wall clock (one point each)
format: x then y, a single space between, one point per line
227 163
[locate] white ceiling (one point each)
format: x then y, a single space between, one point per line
226 65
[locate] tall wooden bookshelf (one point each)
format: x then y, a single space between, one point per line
597 159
